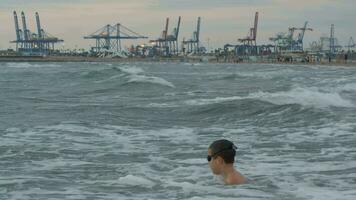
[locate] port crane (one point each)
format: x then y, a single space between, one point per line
249 42
193 44
166 44
30 43
108 39
351 44
288 42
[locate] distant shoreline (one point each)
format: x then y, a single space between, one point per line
350 63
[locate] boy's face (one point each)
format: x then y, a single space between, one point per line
214 163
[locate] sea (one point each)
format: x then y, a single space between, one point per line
141 130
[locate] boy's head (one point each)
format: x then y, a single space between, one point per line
221 153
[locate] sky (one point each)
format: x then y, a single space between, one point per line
223 21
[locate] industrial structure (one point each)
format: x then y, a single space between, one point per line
288 42
248 47
167 45
333 44
332 39
29 43
108 39
192 45
286 47
249 44
327 44
351 45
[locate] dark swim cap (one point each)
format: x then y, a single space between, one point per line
225 149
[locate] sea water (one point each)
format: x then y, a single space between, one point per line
141 130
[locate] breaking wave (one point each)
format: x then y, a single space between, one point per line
149 79
301 96
30 65
305 97
127 74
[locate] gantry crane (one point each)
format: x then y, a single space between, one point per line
166 44
288 42
28 43
108 39
193 45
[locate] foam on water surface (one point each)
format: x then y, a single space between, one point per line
131 180
31 65
131 69
106 135
305 97
149 79
301 96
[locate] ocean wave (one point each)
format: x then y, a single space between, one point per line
30 65
298 95
131 69
229 77
131 180
200 102
109 70
149 79
348 87
161 105
304 97
98 73
268 74
137 75
110 78
126 75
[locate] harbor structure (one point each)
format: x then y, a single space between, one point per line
192 46
327 44
249 44
286 47
108 40
291 41
31 43
247 47
350 45
167 44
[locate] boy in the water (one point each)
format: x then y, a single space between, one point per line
221 158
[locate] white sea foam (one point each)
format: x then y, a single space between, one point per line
177 135
302 96
110 78
199 102
348 87
191 175
214 197
70 193
309 191
193 161
161 105
136 75
267 74
309 158
305 97
131 69
131 180
30 65
57 163
150 79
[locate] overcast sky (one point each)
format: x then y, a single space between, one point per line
223 21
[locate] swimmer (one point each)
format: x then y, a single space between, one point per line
221 158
